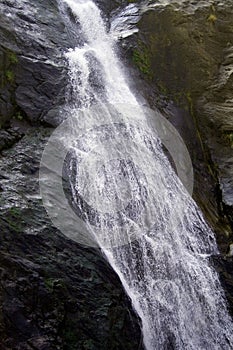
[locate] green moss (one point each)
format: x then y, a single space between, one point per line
162 88
18 116
212 18
229 139
7 71
13 219
179 99
141 58
88 345
50 283
15 211
12 57
230 136
10 77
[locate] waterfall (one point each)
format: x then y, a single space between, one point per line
133 203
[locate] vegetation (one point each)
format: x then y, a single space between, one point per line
51 282
141 58
229 139
18 116
8 63
12 57
10 77
212 18
13 219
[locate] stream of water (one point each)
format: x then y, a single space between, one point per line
133 203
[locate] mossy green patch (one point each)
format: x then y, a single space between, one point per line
212 18
12 57
88 345
162 88
7 68
10 76
141 58
228 137
13 219
51 282
18 115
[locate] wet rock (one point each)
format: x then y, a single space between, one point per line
224 266
40 88
108 6
33 70
216 104
54 293
9 137
185 50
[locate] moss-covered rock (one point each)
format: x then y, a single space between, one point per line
187 48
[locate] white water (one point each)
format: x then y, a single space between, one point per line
166 271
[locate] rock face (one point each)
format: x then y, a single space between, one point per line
33 74
185 49
54 293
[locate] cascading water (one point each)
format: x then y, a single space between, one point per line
134 205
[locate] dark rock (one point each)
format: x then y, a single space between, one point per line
108 6
184 49
54 293
32 65
224 266
33 70
9 137
40 87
